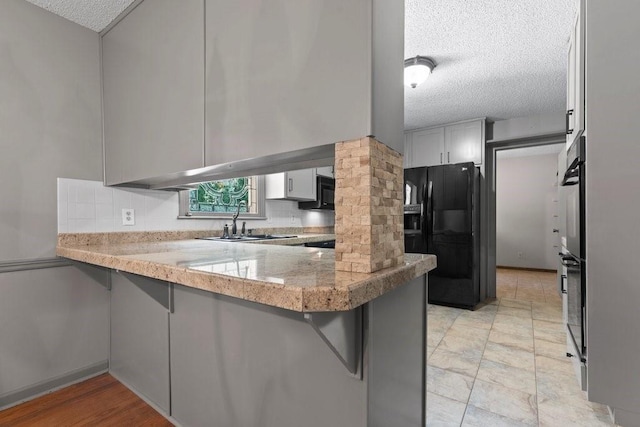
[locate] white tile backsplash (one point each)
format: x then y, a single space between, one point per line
88 206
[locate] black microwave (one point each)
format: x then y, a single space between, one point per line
325 195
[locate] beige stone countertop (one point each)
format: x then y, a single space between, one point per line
291 277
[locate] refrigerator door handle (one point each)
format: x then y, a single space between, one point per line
427 229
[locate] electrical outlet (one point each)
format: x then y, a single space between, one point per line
128 217
293 218
519 254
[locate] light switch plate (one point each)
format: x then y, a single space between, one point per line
128 217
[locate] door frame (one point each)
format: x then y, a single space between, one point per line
488 249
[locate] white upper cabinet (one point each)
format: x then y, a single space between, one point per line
293 185
464 142
455 143
153 91
576 79
427 147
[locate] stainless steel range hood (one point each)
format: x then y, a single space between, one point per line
293 160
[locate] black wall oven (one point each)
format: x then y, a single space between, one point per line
575 259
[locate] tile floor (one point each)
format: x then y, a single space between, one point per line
505 364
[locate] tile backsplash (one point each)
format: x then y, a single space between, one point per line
89 206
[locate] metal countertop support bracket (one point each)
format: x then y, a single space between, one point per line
342 332
160 290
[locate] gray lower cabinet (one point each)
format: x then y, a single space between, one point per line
140 336
238 363
54 329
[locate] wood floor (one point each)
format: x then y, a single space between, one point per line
100 401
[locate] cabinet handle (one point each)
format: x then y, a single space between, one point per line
569 114
290 184
440 158
448 158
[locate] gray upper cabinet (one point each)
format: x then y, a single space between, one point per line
450 144
251 87
285 77
153 84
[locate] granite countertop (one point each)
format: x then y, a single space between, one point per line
291 277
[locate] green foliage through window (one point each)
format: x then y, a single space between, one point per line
221 196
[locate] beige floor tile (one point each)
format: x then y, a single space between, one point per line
542 311
551 349
443 412
454 362
475 322
517 312
519 379
519 341
549 331
506 302
476 417
553 366
507 376
434 337
430 351
504 401
449 384
462 346
509 356
554 414
533 296
503 293
512 323
476 336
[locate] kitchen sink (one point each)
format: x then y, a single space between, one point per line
250 238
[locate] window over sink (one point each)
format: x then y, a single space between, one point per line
221 198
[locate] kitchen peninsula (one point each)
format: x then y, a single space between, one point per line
270 335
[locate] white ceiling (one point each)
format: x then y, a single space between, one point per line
93 14
496 58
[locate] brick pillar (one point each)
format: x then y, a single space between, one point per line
369 223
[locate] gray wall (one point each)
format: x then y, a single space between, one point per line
613 203
54 322
50 121
525 192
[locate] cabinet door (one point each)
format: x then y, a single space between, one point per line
407 158
575 81
292 185
284 76
153 83
464 142
301 184
427 147
140 336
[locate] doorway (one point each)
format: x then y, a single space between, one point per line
494 150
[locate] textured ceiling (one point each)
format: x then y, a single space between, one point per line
496 58
93 14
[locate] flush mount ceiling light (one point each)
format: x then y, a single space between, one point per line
417 69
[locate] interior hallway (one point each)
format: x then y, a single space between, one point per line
505 364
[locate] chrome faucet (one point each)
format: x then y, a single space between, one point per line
234 227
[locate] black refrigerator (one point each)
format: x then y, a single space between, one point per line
441 217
